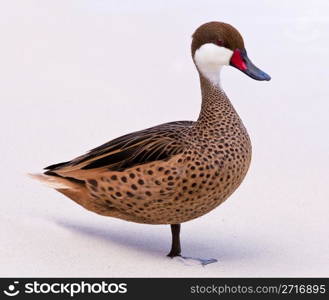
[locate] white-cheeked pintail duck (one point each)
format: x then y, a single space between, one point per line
177 171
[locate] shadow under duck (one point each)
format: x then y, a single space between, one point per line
177 171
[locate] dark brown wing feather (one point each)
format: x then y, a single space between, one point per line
156 143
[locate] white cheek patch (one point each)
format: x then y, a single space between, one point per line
209 59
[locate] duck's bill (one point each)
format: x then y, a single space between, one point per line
241 61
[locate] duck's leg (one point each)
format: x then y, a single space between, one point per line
175 246
176 250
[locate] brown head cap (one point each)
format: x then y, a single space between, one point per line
218 33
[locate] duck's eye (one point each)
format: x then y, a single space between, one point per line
219 43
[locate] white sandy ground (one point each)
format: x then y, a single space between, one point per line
75 74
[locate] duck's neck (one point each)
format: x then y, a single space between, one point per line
216 109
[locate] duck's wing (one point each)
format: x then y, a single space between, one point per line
161 142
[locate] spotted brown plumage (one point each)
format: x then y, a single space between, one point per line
174 172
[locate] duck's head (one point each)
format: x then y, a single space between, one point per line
216 44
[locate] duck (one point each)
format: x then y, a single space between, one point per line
174 172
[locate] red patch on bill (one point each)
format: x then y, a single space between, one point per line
237 60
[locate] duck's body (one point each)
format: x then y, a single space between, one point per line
167 174
188 167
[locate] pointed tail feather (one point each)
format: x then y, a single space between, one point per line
73 188
52 181
77 190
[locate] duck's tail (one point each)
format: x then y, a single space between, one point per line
54 182
77 190
70 187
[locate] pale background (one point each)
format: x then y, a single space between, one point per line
75 74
